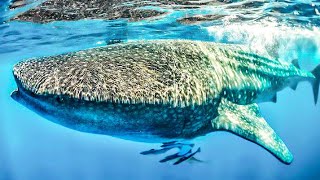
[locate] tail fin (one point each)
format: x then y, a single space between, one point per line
316 83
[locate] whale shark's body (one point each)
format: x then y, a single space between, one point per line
160 90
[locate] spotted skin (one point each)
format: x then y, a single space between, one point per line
72 10
156 90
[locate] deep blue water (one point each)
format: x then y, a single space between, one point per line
32 147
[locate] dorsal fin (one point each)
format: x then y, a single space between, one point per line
295 62
246 121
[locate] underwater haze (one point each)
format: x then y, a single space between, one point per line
35 148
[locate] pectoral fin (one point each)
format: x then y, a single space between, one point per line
246 121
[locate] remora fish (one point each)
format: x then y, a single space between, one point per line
161 90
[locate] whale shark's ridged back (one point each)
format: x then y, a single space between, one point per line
170 72
177 72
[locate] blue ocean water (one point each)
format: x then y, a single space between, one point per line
32 147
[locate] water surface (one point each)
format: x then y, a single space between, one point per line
35 148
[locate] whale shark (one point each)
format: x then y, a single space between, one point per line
161 91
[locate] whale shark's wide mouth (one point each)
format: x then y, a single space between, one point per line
43 77
22 82
23 95
17 93
26 91
27 76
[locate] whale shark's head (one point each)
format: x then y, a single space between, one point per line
60 109
48 106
